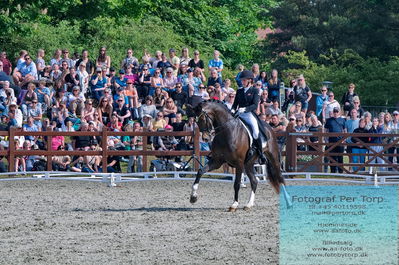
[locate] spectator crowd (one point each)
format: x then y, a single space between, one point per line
77 93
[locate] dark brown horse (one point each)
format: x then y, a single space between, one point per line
230 145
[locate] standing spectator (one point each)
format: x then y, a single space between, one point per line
255 70
367 117
356 106
83 76
185 57
264 80
329 106
240 68
65 58
196 61
347 98
335 124
274 86
315 126
174 61
376 129
57 58
7 66
87 62
103 60
350 125
216 63
394 129
361 149
302 93
320 100
25 72
144 82
136 165
129 60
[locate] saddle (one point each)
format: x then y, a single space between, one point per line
262 133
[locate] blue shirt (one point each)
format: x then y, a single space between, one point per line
28 128
216 64
26 69
319 104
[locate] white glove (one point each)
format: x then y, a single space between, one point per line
241 110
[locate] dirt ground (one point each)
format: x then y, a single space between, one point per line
74 222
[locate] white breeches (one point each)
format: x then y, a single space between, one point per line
250 119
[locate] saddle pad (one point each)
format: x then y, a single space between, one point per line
251 139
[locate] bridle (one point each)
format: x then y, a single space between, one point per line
208 120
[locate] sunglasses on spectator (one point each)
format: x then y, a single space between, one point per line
323 90
145 69
27 58
356 102
120 100
330 96
34 101
292 119
299 120
259 84
159 115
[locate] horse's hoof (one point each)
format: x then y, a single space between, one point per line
232 209
246 208
193 199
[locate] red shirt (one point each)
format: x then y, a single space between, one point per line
6 66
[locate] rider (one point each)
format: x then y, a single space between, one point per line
247 101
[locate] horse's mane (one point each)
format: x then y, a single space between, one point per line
217 103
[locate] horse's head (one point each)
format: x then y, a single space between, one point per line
203 117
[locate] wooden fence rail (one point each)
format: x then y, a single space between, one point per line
300 151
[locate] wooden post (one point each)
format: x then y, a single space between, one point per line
49 148
291 148
145 143
104 146
197 147
11 150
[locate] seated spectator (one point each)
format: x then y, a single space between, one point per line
144 82
98 83
202 92
31 127
164 64
227 89
147 123
114 124
61 163
35 111
15 115
217 93
43 94
121 111
71 80
296 110
46 73
265 102
185 57
76 101
133 97
81 142
214 78
60 114
180 97
159 122
170 111
56 73
169 81
104 110
190 126
7 66
113 162
88 111
6 95
166 143
274 109
229 100
25 72
28 98
159 99
190 82
148 108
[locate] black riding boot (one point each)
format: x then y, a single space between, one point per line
262 157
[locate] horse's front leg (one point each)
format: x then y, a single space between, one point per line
211 165
249 169
237 183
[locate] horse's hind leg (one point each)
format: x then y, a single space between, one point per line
211 165
249 169
237 184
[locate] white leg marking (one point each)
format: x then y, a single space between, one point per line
194 190
251 200
234 205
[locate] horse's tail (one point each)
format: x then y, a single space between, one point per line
274 172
